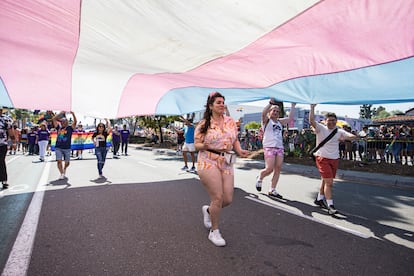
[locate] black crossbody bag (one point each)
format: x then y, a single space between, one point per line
312 151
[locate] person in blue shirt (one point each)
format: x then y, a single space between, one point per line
124 140
31 140
116 141
188 146
63 140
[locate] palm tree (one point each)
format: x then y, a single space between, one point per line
20 116
157 122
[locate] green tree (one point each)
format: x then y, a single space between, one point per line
157 122
382 114
252 125
22 116
397 112
379 110
133 122
366 111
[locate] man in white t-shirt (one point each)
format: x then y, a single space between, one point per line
327 157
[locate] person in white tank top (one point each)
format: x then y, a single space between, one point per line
273 144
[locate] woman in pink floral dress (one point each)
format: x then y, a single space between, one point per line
216 137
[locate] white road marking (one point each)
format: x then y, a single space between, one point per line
11 159
19 188
353 232
147 164
19 258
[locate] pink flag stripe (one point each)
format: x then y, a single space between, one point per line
41 46
332 36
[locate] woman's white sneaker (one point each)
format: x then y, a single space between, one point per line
215 237
206 217
258 184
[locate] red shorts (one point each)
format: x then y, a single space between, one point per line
327 167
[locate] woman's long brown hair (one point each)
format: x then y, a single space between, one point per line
207 113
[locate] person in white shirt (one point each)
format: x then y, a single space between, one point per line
273 145
327 156
362 143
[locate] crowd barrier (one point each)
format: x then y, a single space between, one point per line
369 150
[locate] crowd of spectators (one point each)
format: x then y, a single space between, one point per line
390 144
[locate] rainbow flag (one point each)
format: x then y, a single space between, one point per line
80 140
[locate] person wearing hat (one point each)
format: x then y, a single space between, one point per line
63 140
6 132
42 139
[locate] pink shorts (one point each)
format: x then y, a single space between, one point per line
272 152
327 167
208 160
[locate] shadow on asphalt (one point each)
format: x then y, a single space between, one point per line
156 229
60 182
358 204
373 208
358 215
305 208
101 180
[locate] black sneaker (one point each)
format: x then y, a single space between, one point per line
275 194
320 203
332 210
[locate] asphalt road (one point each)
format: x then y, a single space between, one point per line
145 219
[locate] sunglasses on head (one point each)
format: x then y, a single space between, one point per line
214 93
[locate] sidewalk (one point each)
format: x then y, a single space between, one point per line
384 180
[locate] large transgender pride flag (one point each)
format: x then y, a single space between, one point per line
116 58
